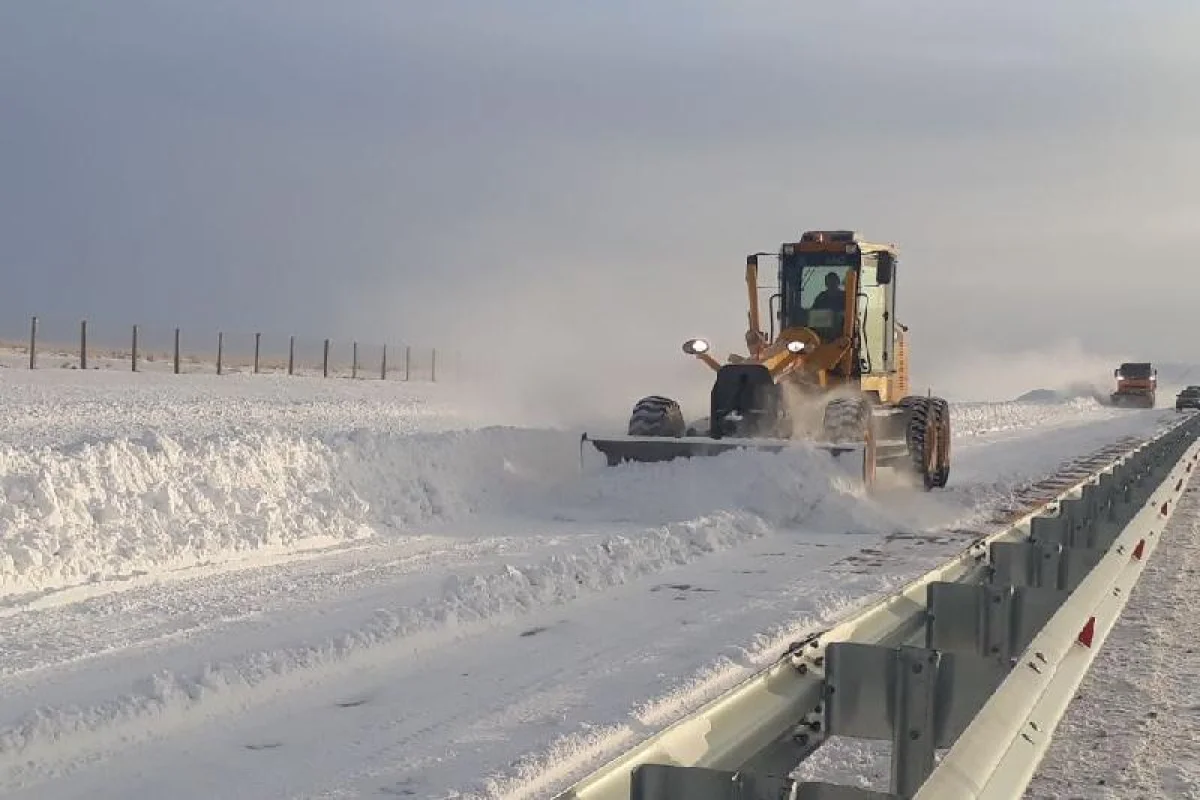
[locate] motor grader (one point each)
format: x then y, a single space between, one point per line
835 374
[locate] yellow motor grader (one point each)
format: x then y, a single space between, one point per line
835 374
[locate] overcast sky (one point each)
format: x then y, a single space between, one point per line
575 185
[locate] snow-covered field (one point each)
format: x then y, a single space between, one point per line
261 586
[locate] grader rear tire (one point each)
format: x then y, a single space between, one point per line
942 419
928 440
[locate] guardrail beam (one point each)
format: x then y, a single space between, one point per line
987 620
918 698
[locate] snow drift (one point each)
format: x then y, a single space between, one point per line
86 512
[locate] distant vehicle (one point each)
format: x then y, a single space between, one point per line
1188 398
1136 384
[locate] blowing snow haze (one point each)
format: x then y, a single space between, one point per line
571 188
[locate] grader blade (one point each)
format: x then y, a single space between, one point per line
648 449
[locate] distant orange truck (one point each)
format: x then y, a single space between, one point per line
1137 382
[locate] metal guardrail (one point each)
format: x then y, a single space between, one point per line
980 655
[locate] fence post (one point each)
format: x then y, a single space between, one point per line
33 343
83 344
220 349
291 355
325 361
433 366
257 344
383 365
135 358
407 362
354 360
177 351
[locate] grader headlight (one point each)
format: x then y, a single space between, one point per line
694 347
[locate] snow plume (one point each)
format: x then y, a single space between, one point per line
1068 367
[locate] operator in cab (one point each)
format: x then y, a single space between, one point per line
833 298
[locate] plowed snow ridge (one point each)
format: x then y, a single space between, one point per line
94 511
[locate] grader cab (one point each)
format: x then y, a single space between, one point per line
831 370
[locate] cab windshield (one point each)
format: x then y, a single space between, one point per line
1135 371
815 297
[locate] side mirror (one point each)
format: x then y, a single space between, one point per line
883 273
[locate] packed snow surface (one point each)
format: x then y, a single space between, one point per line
265 586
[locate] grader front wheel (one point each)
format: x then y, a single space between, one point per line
656 416
848 420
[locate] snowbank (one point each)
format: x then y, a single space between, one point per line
98 511
124 504
111 508
974 419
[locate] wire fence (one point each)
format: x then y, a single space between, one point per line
87 345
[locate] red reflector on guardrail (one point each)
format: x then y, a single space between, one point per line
1141 548
1088 633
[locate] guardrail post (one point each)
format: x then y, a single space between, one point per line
176 359
33 343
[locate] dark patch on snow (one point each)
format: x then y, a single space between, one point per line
534 631
680 587
264 746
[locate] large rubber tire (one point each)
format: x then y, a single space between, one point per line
941 411
850 420
656 416
928 440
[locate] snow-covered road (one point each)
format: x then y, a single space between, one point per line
355 593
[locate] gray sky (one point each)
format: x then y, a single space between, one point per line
571 188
